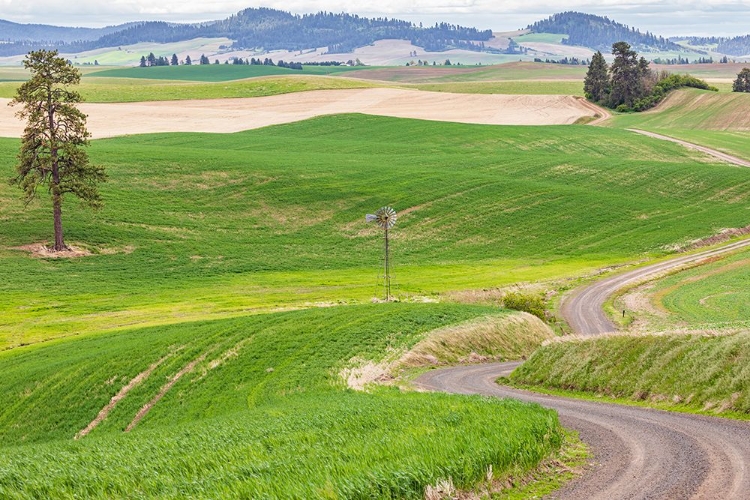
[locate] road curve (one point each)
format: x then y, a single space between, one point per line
712 152
639 453
583 308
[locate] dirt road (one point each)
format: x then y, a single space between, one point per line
639 453
234 115
583 309
712 152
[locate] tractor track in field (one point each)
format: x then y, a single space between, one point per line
639 453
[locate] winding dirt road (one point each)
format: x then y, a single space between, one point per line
583 309
639 453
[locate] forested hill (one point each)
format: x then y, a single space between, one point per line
271 29
736 46
14 32
599 33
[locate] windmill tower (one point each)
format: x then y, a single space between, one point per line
386 219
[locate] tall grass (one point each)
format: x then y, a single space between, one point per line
701 372
264 415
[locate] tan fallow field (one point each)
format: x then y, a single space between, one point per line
234 115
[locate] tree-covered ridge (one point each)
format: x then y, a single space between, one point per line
599 33
270 29
734 46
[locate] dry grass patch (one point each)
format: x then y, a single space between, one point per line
486 339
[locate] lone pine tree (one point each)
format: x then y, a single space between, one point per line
52 150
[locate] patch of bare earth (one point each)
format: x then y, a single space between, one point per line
40 250
163 391
136 381
487 339
235 115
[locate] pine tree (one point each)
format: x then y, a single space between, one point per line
742 83
188 61
52 153
143 61
175 61
596 85
627 76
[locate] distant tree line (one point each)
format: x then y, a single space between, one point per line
152 60
598 32
270 29
685 60
629 84
573 61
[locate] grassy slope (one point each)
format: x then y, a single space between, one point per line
718 120
137 90
202 225
263 415
215 73
691 371
709 296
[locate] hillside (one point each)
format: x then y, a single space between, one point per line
269 29
694 372
599 33
213 225
252 407
15 32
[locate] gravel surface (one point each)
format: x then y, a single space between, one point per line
639 453
583 308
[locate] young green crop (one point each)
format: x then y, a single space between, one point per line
265 413
200 225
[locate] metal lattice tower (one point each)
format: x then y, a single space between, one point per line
386 219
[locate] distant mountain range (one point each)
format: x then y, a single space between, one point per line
269 29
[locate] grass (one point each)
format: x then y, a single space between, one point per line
136 90
540 38
201 225
216 73
264 414
695 372
717 120
709 296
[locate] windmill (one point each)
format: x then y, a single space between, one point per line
386 219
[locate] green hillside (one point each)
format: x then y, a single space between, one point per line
201 225
260 411
137 90
693 372
215 73
717 120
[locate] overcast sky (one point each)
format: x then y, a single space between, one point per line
662 17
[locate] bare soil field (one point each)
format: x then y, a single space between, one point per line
234 115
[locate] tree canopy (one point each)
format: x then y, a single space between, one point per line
742 83
52 150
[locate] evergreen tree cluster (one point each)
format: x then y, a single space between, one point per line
598 32
629 84
742 83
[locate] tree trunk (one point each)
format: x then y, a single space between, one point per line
57 210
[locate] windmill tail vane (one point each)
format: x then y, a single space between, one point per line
386 219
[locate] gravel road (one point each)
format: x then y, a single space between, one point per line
639 453
583 309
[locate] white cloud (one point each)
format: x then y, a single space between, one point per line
662 17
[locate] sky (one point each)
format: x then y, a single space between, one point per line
661 17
